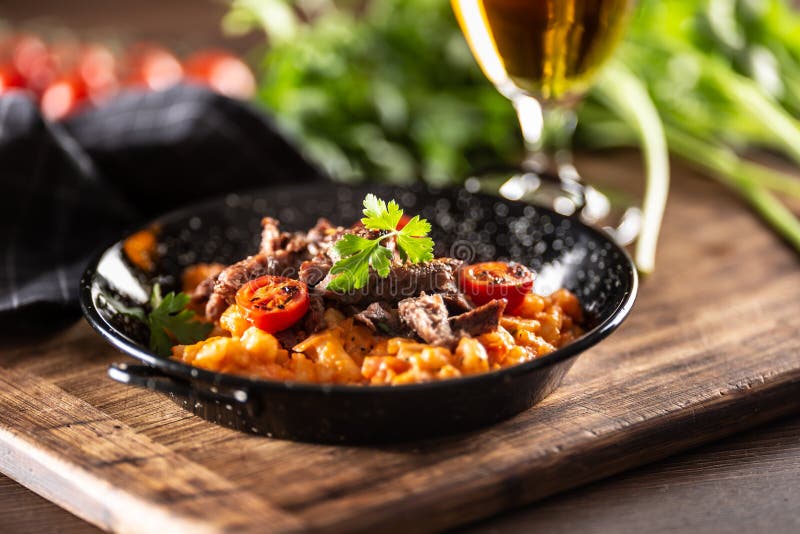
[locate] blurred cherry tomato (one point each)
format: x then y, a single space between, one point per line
223 72
33 61
62 98
10 78
97 69
153 67
65 54
65 73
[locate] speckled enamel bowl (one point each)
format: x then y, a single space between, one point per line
473 227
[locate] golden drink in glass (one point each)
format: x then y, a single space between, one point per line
543 55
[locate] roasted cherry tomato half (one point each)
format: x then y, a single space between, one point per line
273 303
491 280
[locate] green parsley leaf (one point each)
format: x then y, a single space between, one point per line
131 311
357 254
160 343
351 244
171 322
353 271
415 249
155 297
416 227
379 216
381 261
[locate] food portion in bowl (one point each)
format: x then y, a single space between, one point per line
369 305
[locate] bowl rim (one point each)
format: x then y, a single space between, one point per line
181 370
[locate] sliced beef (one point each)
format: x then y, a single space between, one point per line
282 254
312 272
404 280
321 238
316 269
457 303
290 337
309 257
285 250
479 321
274 240
426 315
381 318
435 276
271 236
314 318
202 293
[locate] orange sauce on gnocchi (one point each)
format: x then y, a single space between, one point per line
346 352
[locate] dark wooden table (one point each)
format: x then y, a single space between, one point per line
747 482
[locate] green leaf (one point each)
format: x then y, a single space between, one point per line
357 254
171 322
353 271
160 343
416 227
155 297
132 311
379 216
415 249
351 244
342 283
171 304
381 260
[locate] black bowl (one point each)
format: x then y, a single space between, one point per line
472 227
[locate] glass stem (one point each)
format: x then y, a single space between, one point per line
547 132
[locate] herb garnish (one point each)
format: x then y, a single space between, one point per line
357 254
169 320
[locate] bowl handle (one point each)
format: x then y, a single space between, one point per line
147 377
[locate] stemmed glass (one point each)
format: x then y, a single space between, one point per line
542 55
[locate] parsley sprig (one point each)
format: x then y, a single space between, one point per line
169 320
357 254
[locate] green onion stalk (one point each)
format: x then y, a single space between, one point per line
624 94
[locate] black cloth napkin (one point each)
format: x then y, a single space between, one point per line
70 188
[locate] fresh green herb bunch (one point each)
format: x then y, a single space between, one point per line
390 92
357 254
724 76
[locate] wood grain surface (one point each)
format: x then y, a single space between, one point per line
24 512
97 467
744 483
710 349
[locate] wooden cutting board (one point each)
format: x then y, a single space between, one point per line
712 347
